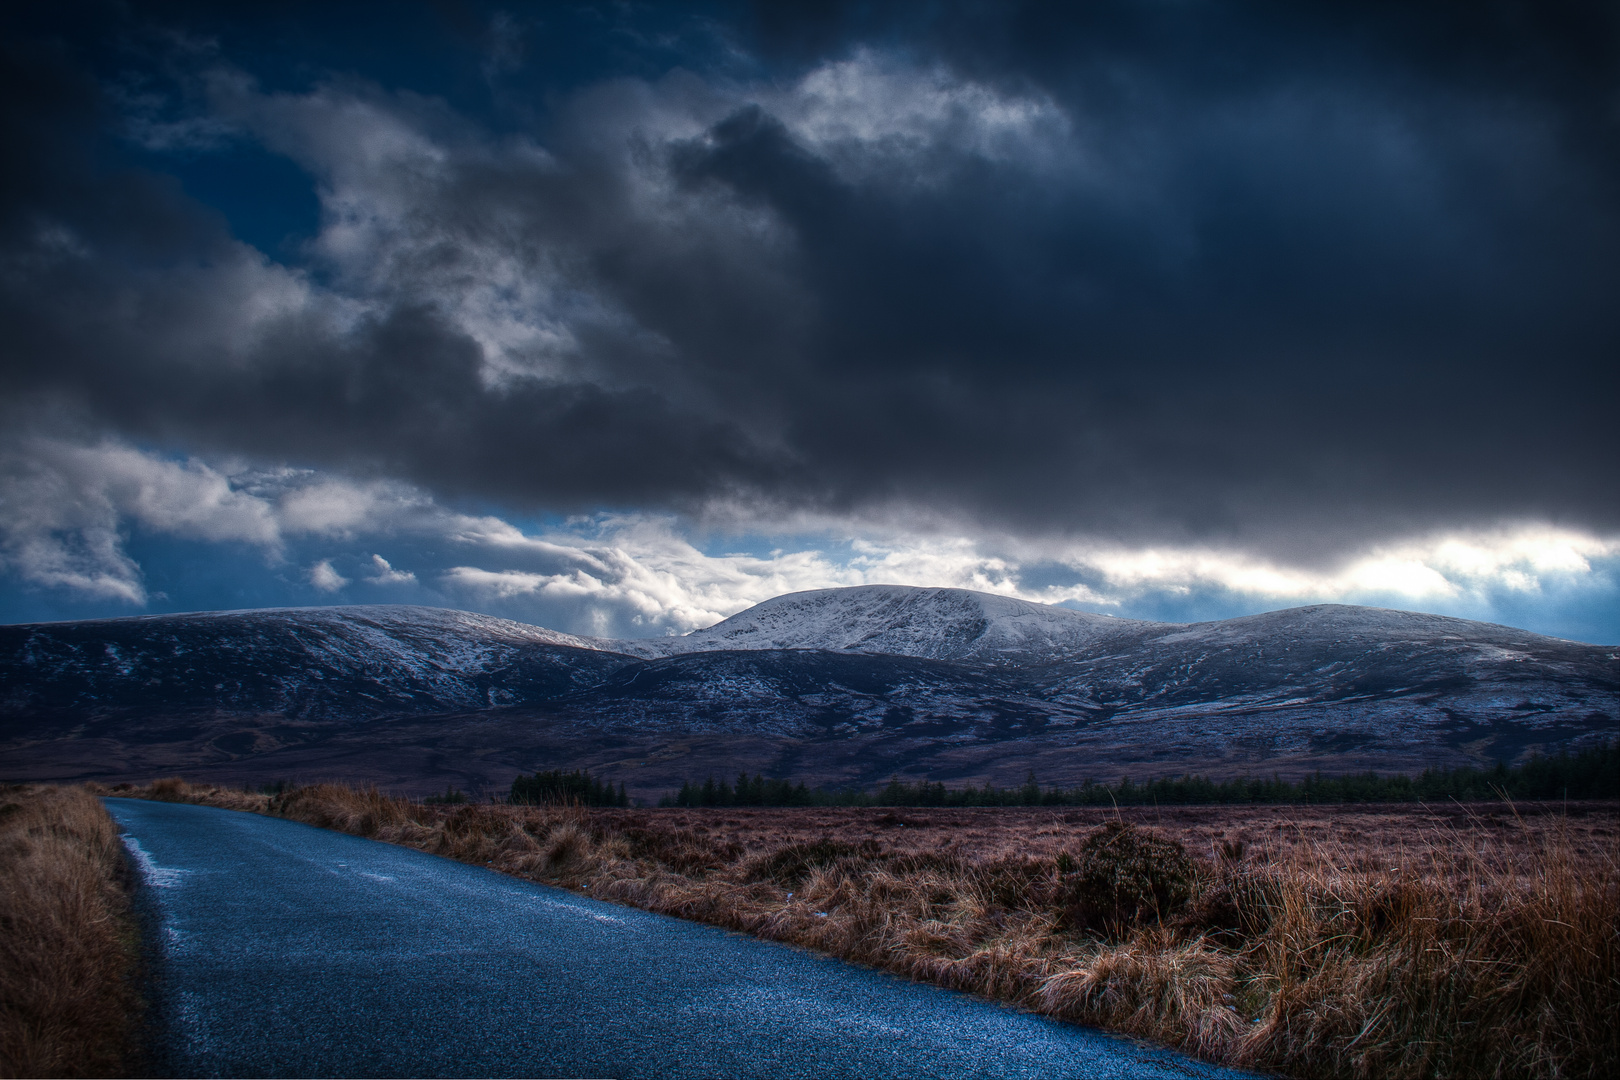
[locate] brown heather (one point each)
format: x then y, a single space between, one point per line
69 945
1317 941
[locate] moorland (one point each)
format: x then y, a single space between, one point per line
1368 941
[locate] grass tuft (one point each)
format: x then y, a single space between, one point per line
69 947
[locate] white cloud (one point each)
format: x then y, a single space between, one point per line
326 579
67 508
1456 570
311 504
640 575
637 575
387 575
870 109
186 499
89 562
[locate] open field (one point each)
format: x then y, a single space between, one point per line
69 946
1323 941
1366 838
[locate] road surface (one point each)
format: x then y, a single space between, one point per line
284 950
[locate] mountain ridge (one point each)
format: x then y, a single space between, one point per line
846 685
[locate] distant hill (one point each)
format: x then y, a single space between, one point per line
833 686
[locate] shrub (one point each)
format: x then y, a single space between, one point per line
791 865
170 789
681 850
565 843
69 945
1125 875
1016 882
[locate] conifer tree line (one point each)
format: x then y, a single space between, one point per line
756 792
558 787
1593 773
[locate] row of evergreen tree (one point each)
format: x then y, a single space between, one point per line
755 792
558 787
1593 773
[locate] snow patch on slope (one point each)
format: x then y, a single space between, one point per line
403 634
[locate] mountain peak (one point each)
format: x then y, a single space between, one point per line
902 620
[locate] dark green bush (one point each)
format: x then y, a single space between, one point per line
1123 875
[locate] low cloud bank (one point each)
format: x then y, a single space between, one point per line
71 510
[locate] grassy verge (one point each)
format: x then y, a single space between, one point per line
69 945
1452 950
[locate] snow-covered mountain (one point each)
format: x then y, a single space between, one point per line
896 620
960 624
300 662
842 684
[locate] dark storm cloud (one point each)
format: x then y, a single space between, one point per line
1231 273
124 305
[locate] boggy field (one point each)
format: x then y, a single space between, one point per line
1367 838
1360 941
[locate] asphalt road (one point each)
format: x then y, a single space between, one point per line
285 950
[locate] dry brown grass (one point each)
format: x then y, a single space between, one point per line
1360 942
69 946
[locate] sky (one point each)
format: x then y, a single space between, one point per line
621 318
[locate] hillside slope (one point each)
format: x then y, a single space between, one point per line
302 663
